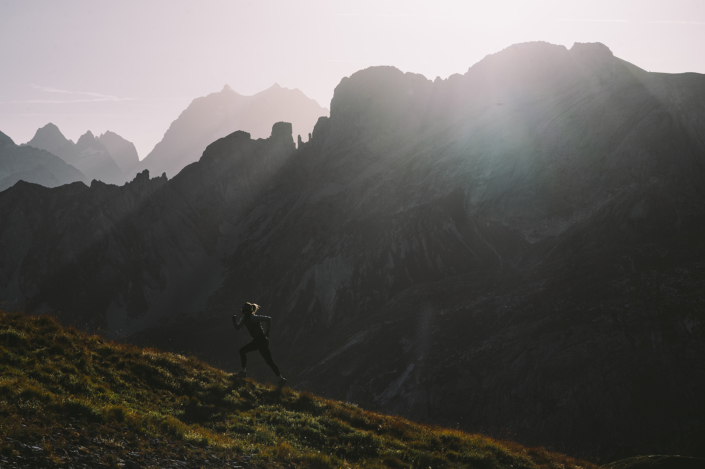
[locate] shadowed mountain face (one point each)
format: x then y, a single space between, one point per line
88 154
219 114
122 151
138 252
33 165
516 250
5 140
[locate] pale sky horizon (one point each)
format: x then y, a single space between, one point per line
133 66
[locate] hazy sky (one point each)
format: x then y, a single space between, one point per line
133 66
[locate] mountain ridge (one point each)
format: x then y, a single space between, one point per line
88 154
19 163
216 115
534 243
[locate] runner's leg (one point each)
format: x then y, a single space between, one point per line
251 347
267 355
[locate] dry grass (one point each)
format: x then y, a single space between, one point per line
54 378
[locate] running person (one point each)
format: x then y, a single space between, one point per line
260 339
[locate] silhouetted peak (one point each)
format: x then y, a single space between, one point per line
282 131
372 81
593 54
86 139
233 138
540 57
109 134
49 129
5 140
142 177
49 132
525 55
536 47
594 49
49 138
272 91
228 89
377 95
321 129
142 181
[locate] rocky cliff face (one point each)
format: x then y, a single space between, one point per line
516 250
219 114
33 165
136 253
89 155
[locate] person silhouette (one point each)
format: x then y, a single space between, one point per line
260 338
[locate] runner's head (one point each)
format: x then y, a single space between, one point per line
249 308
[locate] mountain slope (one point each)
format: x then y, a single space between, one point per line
100 254
89 155
5 140
214 116
516 249
68 398
19 163
122 151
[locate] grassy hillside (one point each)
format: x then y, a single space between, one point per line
67 399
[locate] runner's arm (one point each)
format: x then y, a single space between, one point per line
238 322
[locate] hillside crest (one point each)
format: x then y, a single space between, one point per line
68 398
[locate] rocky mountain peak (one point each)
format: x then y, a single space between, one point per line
48 138
86 139
227 89
28 164
522 55
282 131
88 155
377 101
218 115
142 176
594 57
594 49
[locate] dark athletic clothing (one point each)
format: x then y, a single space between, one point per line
254 328
263 346
259 341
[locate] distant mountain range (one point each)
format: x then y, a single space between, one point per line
112 159
89 154
517 250
33 165
214 116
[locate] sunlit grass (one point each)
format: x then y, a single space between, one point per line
53 378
